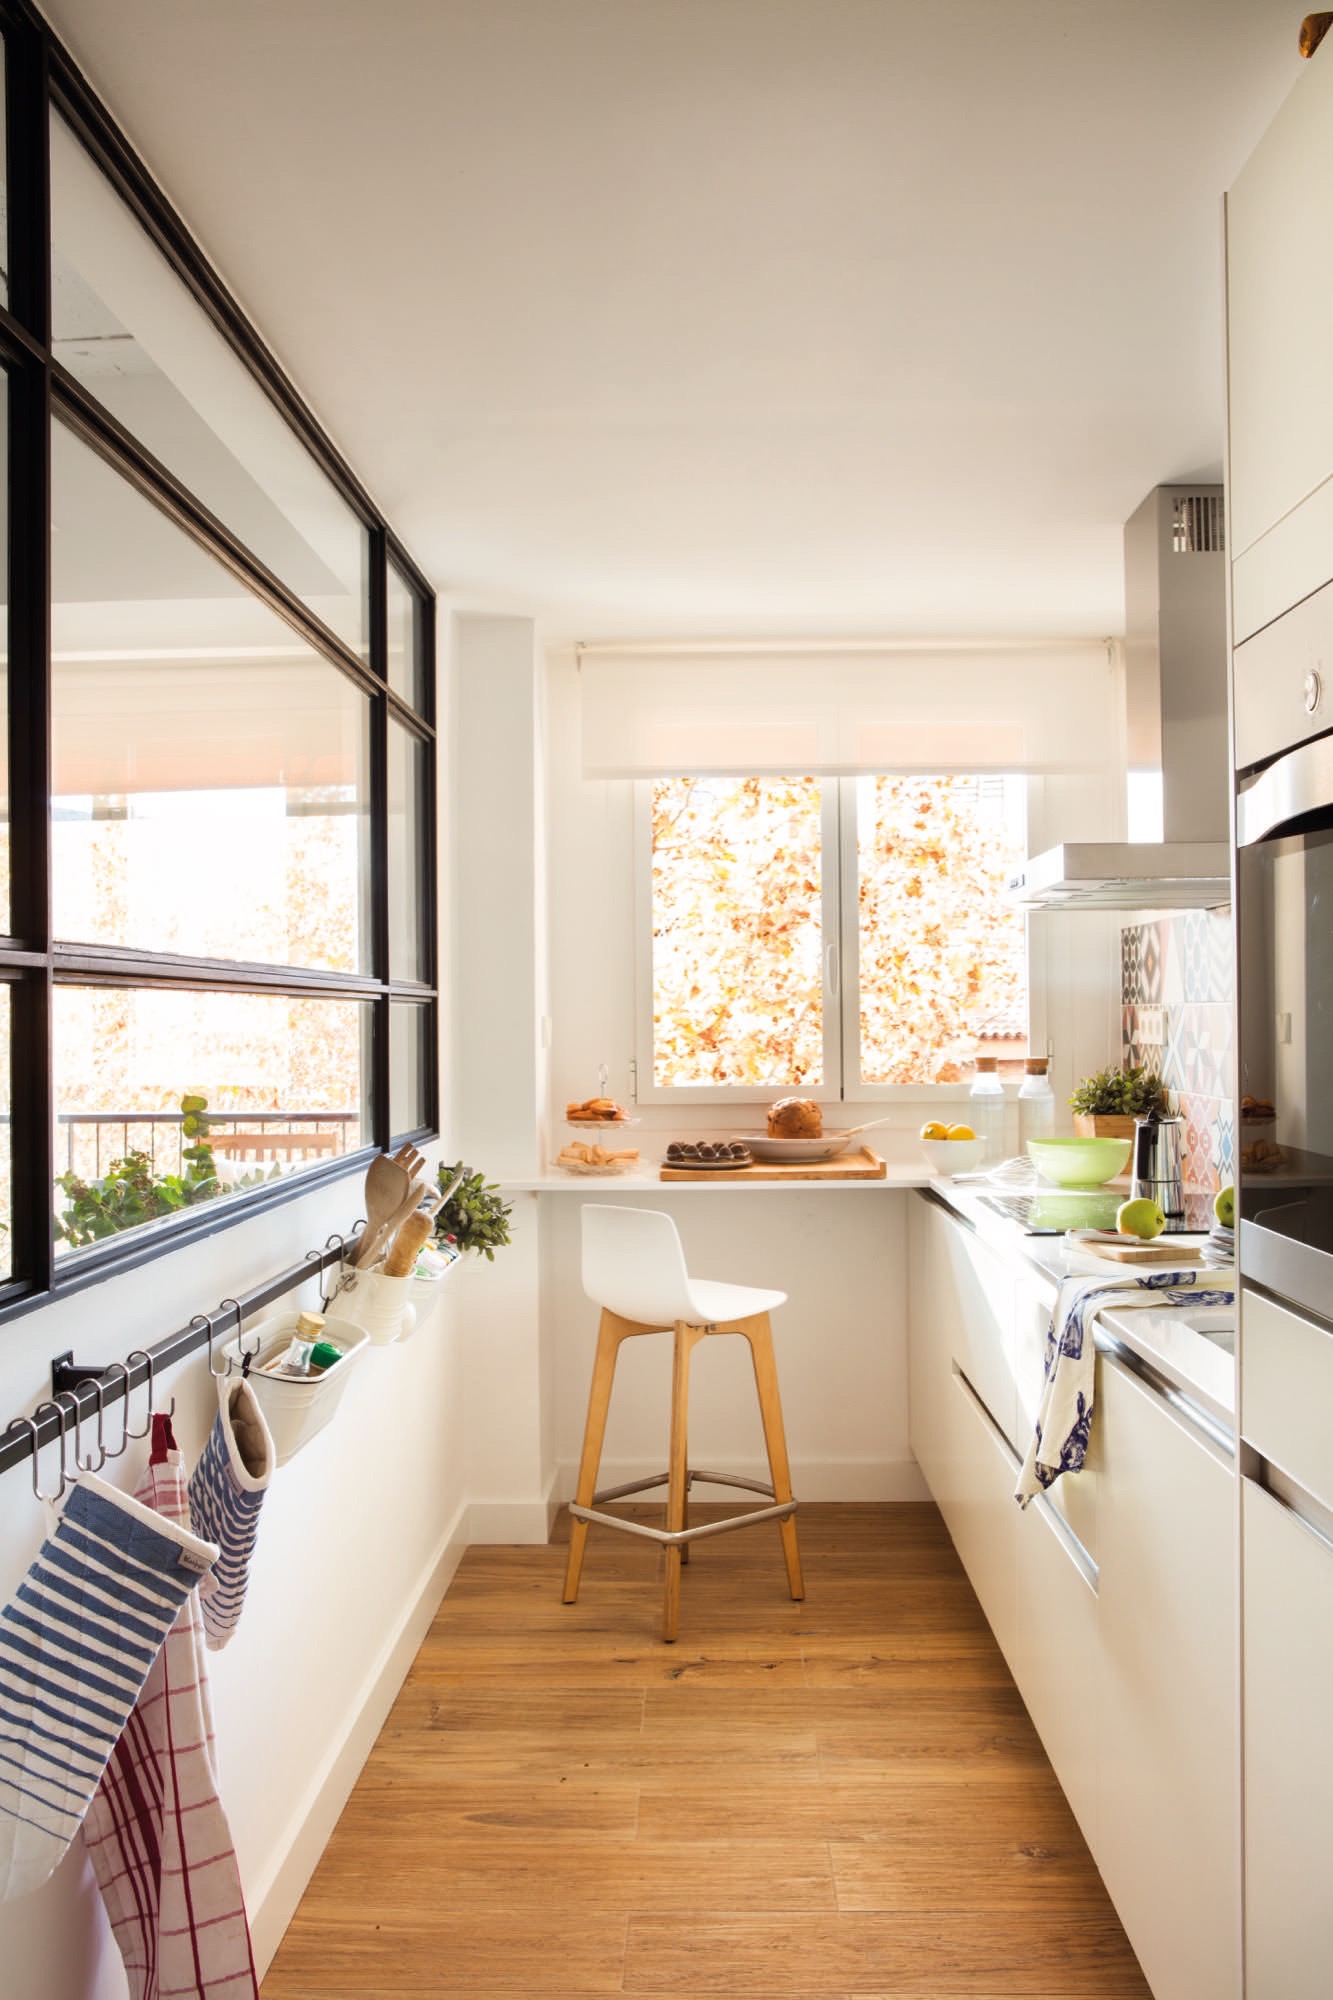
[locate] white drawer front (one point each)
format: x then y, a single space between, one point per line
1286 1392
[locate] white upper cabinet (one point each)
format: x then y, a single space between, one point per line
1279 336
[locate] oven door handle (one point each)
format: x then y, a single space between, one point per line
1298 784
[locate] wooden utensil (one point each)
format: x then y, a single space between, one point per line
387 1183
402 1254
384 1233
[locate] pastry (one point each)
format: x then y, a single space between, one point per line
709 1153
795 1118
597 1111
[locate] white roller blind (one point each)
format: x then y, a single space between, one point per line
1039 708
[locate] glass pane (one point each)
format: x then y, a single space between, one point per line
407 874
409 1067
125 325
406 669
6 1181
943 955
737 960
4 190
168 1100
210 770
4 657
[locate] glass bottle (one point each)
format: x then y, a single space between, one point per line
985 1107
1036 1103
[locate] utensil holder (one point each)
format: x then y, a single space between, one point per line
380 1305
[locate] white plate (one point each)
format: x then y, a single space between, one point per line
793 1150
597 1166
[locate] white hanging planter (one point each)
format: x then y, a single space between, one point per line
296 1411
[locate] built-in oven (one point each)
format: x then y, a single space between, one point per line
1284 919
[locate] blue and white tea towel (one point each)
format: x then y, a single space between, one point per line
1064 1415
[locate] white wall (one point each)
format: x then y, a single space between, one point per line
358 1537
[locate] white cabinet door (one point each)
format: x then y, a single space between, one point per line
928 1312
1288 1727
1056 1650
978 1506
1279 333
1168 1807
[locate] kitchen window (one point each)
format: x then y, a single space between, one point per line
845 936
218 960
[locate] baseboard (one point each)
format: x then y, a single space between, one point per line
273 1902
515 1521
898 1479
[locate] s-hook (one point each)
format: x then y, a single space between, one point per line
48 1404
31 1424
139 1354
247 1354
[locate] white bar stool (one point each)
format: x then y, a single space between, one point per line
634 1269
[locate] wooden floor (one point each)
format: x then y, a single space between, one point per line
835 1798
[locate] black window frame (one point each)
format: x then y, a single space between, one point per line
41 79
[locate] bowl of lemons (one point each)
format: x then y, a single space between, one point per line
951 1149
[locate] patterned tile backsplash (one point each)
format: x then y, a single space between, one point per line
1178 1017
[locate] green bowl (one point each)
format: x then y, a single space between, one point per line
1079 1162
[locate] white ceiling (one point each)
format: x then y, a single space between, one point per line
728 316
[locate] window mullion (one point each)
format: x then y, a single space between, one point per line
849 947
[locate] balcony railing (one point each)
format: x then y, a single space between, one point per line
88 1141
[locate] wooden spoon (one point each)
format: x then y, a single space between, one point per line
369 1251
387 1183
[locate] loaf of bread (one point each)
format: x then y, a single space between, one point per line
795 1118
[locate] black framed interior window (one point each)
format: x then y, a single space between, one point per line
217 867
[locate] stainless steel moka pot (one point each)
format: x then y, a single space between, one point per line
1159 1163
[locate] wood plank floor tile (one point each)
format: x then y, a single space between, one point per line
935 1955
349 1951
450 1809
535 1874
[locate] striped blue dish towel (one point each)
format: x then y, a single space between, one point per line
76 1643
1064 1414
227 1489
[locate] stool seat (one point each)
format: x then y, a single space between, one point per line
718 1304
634 1269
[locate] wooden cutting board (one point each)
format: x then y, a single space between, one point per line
1143 1253
858 1165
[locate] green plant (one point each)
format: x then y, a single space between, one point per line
474 1217
130 1192
1131 1092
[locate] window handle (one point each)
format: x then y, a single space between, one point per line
832 971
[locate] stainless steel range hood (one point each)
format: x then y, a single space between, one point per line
1175 694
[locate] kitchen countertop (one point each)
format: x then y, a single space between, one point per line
1201 1371
896 1175
1197 1367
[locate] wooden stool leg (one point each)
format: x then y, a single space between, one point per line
759 1333
609 1336
687 1339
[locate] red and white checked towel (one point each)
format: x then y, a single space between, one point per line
156 1832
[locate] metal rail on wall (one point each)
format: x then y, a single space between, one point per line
111 1382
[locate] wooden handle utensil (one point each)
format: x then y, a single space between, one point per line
413 1233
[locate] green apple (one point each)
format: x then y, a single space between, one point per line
1224 1206
1140 1218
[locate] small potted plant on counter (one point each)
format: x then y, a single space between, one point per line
473 1216
1107 1103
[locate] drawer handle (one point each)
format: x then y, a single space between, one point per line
1314 690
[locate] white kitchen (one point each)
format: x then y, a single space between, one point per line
761 411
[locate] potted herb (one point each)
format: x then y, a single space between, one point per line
473 1217
1107 1103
